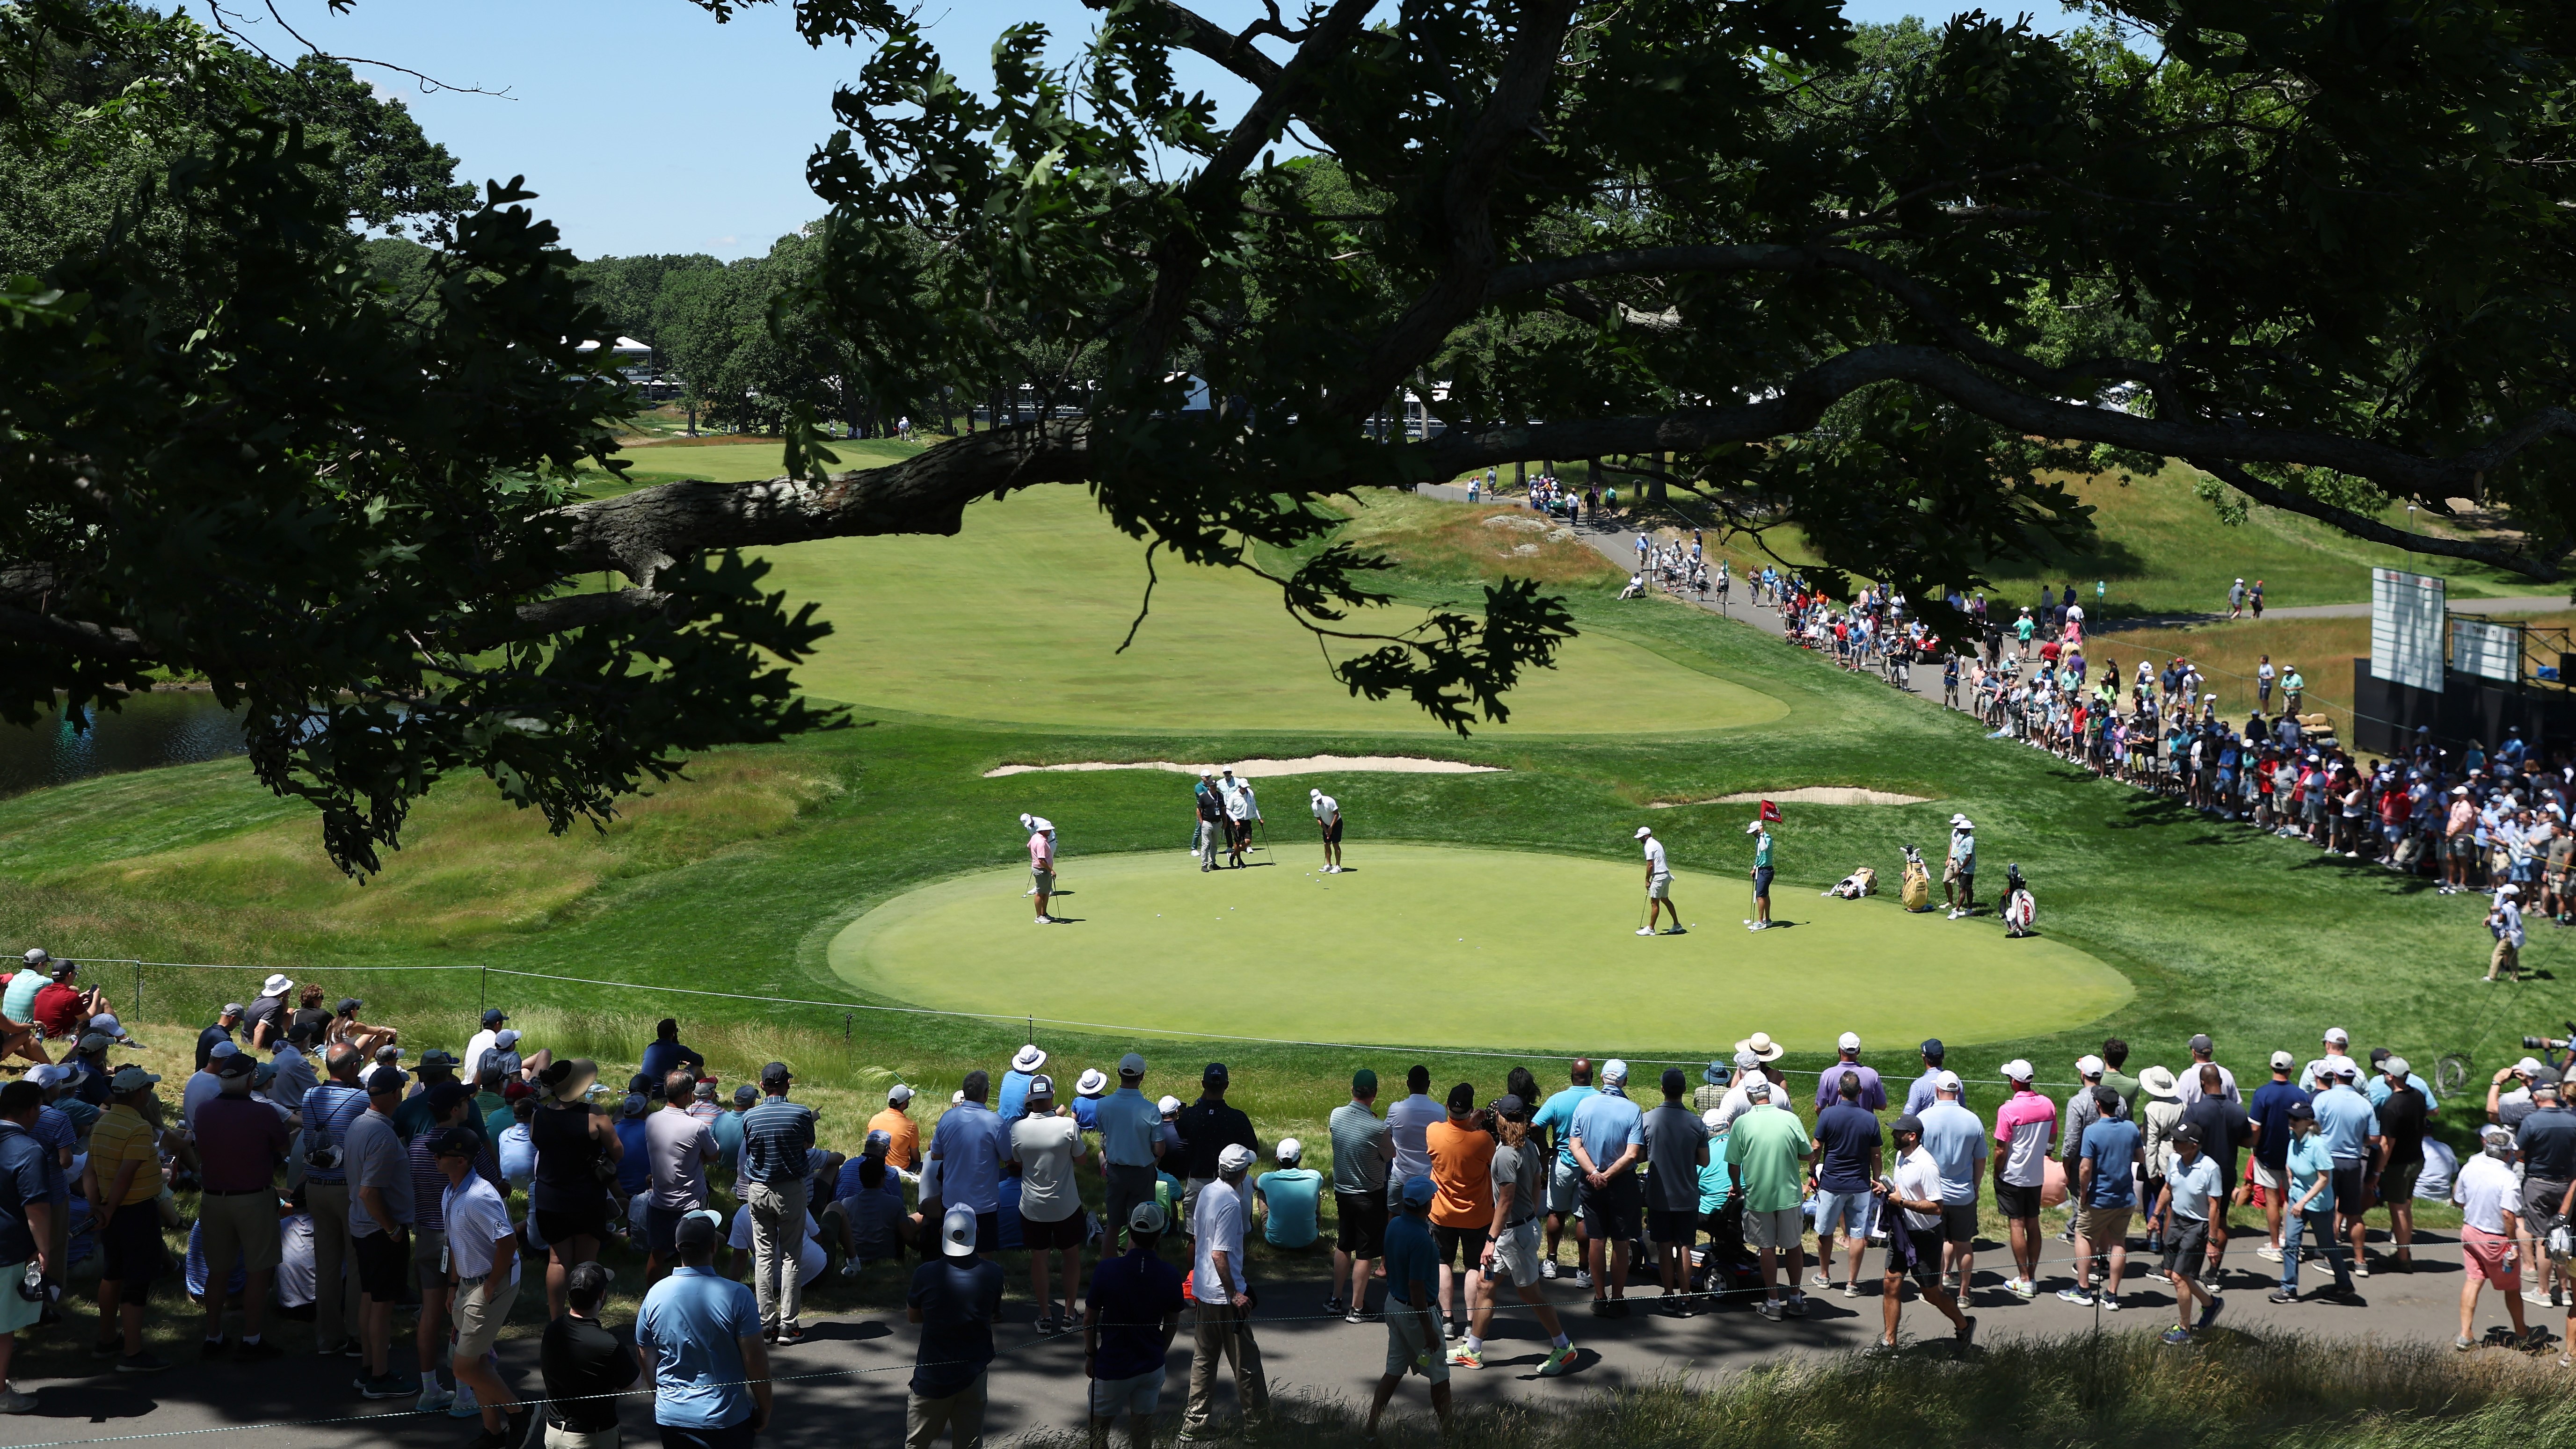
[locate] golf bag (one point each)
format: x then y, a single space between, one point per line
1917 890
1861 882
2020 911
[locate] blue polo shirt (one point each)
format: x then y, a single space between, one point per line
1607 1126
2345 1120
690 1323
970 1143
1129 1127
1410 1257
1556 1117
22 1181
2270 1109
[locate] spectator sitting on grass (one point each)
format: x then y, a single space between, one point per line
1284 1199
665 1055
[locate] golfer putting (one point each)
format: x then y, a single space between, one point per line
1328 820
1659 886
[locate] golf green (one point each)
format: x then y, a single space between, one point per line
1423 946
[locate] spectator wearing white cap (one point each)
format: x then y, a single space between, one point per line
2082 1111
2350 1127
1286 1198
2490 1208
1088 1089
1012 1100
1224 1296
2504 922
1659 884
1045 1145
2338 1045
2403 1106
1959 870
1956 1138
2270 1112
1609 1139
1328 821
1873 1092
1134 1309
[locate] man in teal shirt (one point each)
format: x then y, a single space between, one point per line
1556 1118
1283 1199
1761 877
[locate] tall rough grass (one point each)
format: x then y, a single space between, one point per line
2121 1391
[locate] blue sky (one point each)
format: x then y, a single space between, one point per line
644 125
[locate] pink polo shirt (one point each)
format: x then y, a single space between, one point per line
2024 1126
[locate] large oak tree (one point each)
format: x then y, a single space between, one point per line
1872 284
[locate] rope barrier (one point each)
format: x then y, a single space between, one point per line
1069 1024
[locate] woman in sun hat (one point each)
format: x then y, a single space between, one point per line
2162 1115
1013 1103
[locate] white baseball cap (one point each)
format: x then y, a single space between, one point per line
2338 1036
2088 1066
1168 1105
2281 1061
2017 1070
1315 794
1752 827
1614 1070
1290 1149
1235 1158
957 1232
1644 830
1849 1042
1946 1082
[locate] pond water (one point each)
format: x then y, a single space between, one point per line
151 730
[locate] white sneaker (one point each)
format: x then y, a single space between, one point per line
2268 1253
2110 1302
2534 1295
433 1397
1582 1277
465 1407
1645 930
1547 1269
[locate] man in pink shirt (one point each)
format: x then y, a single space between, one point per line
2023 1127
1041 864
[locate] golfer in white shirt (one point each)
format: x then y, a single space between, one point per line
1659 886
1328 819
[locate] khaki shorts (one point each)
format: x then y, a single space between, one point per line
2507 957
2267 1178
1044 880
1406 1345
240 1222
1516 1253
2102 1227
1773 1230
1949 870
480 1311
1660 888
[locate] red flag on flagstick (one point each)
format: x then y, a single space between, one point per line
1770 812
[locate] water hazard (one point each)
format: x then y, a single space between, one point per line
151 730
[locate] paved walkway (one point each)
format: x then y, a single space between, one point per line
847 1384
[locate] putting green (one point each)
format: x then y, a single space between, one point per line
1422 946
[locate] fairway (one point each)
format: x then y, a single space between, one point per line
1423 946
1018 620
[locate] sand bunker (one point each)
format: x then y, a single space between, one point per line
1263 769
1803 795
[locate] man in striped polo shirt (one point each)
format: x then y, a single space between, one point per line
776 1136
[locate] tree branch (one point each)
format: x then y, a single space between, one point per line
2546 568
96 641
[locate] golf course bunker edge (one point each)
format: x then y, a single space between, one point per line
1435 946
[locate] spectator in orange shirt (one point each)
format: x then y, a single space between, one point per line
902 1133
1462 1208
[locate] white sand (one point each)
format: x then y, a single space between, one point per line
1803 795
1263 769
